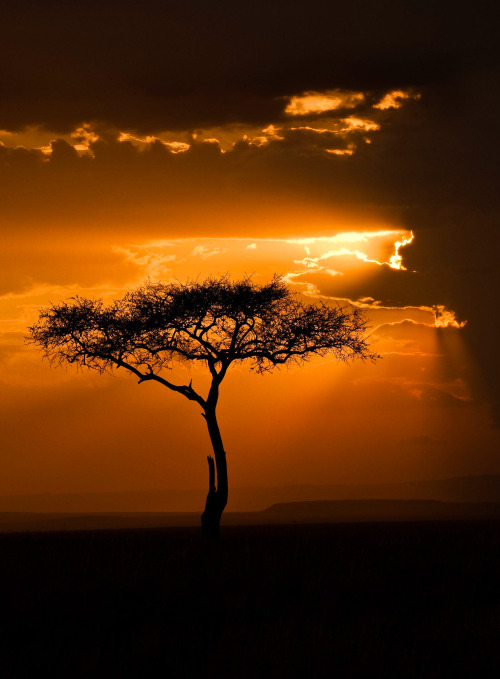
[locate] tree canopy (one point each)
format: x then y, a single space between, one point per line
216 322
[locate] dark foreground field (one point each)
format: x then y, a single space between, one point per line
345 600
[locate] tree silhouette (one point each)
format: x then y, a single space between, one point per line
216 323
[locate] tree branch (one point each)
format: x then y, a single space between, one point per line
185 390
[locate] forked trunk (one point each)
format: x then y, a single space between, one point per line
217 480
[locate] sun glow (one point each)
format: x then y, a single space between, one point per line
396 261
370 254
445 318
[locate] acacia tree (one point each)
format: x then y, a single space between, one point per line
215 323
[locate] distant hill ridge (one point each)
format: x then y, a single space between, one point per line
286 513
484 488
380 510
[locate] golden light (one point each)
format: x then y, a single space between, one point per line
84 136
172 146
319 102
358 124
395 99
396 261
341 152
445 318
372 249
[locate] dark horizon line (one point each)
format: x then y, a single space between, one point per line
258 487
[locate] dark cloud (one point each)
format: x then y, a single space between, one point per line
153 66
386 286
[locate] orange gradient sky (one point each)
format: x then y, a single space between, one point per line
357 185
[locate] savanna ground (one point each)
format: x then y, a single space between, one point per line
340 600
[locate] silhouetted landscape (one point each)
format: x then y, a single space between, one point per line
402 599
327 511
308 588
465 498
252 499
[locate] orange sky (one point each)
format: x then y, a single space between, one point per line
317 179
402 418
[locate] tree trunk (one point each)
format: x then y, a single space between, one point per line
217 494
